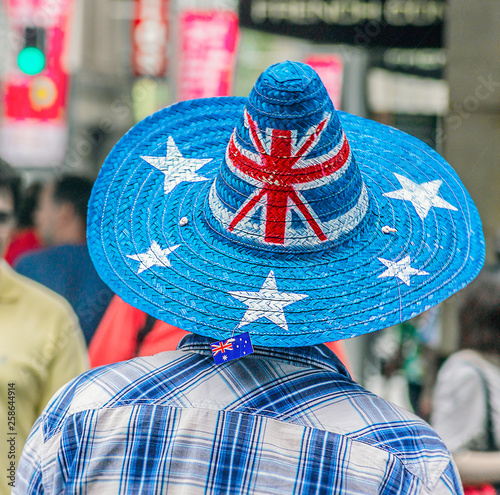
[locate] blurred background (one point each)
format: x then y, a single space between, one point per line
77 74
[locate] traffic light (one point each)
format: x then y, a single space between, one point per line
31 58
34 87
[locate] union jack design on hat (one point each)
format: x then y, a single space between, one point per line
281 215
280 170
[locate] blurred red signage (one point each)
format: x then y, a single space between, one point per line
209 43
330 69
150 32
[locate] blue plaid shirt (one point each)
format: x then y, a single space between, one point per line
281 421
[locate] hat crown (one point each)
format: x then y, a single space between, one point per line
289 179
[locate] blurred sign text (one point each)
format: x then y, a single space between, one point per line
391 23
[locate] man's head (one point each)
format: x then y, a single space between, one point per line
61 215
9 199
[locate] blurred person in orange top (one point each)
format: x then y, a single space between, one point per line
126 332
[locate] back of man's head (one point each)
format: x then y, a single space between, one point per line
61 214
74 190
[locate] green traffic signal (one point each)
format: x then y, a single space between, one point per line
31 60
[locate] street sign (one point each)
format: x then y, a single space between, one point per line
369 23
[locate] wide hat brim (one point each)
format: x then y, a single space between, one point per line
151 242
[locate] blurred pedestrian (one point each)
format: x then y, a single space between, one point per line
466 402
41 344
264 229
25 237
65 265
126 332
403 362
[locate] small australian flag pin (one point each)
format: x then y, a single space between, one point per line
232 348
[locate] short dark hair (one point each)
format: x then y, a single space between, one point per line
28 204
75 190
11 181
479 314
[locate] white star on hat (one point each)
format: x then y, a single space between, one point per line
401 269
176 167
267 303
154 256
422 196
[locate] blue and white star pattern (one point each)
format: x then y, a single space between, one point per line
422 196
176 167
154 256
267 303
389 233
400 269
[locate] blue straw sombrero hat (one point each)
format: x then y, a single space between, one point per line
279 216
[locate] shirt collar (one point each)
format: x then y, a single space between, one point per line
318 356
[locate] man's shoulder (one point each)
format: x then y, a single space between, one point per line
37 264
336 404
56 265
52 254
36 296
114 385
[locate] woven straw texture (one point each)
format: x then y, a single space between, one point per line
286 228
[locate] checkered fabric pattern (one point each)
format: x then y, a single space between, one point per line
281 421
